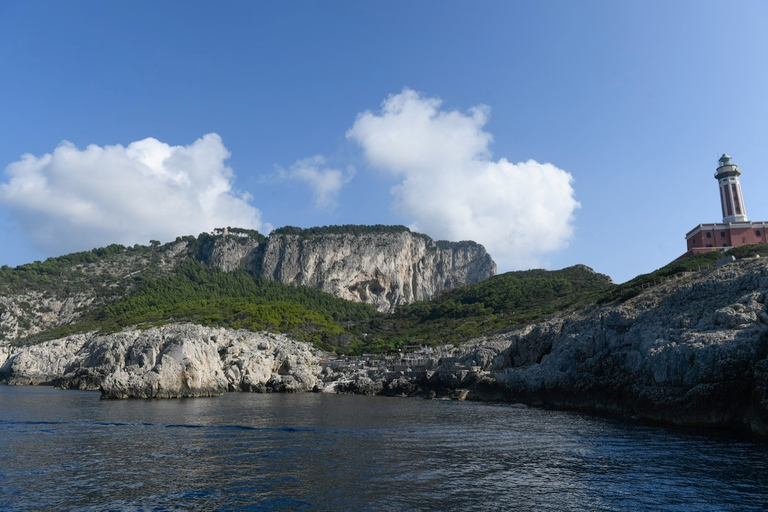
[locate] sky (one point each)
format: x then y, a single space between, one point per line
554 132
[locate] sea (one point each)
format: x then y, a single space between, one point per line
71 450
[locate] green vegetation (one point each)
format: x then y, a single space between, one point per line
695 263
237 299
134 291
63 274
199 294
207 296
351 229
241 234
355 229
497 303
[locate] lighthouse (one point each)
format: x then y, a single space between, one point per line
735 229
731 200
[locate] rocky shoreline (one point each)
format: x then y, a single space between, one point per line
172 361
689 351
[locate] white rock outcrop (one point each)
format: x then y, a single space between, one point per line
180 360
382 269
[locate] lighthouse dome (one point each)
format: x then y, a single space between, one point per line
725 160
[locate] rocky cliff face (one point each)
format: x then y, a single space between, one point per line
34 311
385 269
34 300
691 351
167 362
382 268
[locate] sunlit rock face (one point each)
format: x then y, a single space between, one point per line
171 361
382 269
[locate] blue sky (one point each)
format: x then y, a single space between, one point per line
553 132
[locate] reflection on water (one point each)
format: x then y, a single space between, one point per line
70 450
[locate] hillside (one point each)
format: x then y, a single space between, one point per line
498 303
382 266
201 280
187 290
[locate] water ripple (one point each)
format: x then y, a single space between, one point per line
72 451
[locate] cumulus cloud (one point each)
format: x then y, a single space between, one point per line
73 199
451 187
325 182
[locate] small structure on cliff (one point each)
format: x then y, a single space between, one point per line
735 229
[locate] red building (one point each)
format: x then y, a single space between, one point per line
736 229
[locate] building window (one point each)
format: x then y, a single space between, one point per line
757 233
722 234
709 235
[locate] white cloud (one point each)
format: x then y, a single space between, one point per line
451 188
75 199
325 183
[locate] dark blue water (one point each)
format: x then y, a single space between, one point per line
69 450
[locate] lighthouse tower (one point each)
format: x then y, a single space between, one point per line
731 200
735 230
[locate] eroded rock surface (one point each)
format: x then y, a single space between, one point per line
382 269
167 362
690 351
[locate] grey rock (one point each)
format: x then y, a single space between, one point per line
41 364
89 287
689 351
402 386
382 269
361 385
180 360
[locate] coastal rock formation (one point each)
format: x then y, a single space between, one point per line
268 362
689 351
692 350
179 360
40 364
383 269
384 266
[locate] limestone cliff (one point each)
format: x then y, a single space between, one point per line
384 266
382 269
